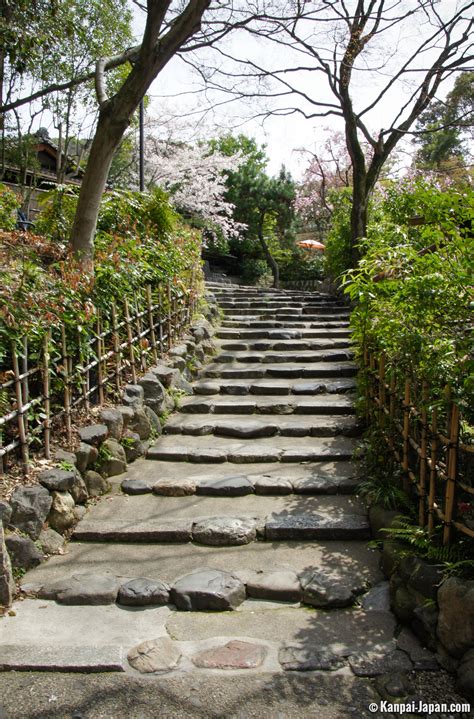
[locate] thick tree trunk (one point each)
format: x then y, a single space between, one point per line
268 255
109 132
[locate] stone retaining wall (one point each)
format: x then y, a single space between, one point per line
37 519
439 609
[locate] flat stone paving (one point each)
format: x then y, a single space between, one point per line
259 456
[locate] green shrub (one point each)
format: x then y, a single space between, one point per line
9 205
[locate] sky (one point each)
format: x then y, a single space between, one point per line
288 139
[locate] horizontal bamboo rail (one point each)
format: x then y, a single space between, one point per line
422 432
74 370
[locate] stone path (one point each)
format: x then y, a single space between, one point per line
238 545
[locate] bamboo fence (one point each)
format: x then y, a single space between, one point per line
43 384
423 433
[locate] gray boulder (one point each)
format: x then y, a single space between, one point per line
465 675
153 390
133 395
208 589
456 601
113 461
94 434
142 592
164 374
113 419
51 542
61 516
133 445
57 480
225 531
140 423
79 490
7 583
182 384
5 513
62 455
30 507
326 590
95 483
127 414
155 423
86 456
23 551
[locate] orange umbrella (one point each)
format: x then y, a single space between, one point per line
311 245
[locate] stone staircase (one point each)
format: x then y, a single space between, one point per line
245 503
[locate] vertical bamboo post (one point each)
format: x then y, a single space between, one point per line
160 317
141 340
406 435
381 377
67 392
130 341
451 473
423 455
82 362
116 345
170 315
433 458
151 323
20 413
100 369
25 390
46 395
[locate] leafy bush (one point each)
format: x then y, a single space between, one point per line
337 256
9 204
418 311
253 269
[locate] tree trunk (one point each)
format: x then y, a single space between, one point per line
268 255
109 132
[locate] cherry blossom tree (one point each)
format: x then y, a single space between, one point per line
195 177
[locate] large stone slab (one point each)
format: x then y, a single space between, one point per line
233 655
154 531
208 589
154 655
280 586
46 658
329 588
232 487
94 589
325 485
372 664
225 531
305 659
317 526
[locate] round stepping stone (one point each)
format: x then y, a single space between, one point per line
300 659
174 488
225 531
141 592
233 655
208 589
331 589
135 486
273 486
280 586
232 487
154 655
207 388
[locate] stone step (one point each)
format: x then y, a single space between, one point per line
277 304
293 320
312 478
304 333
271 357
275 449
317 310
273 387
284 345
224 521
249 562
249 428
320 369
332 404
286 326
